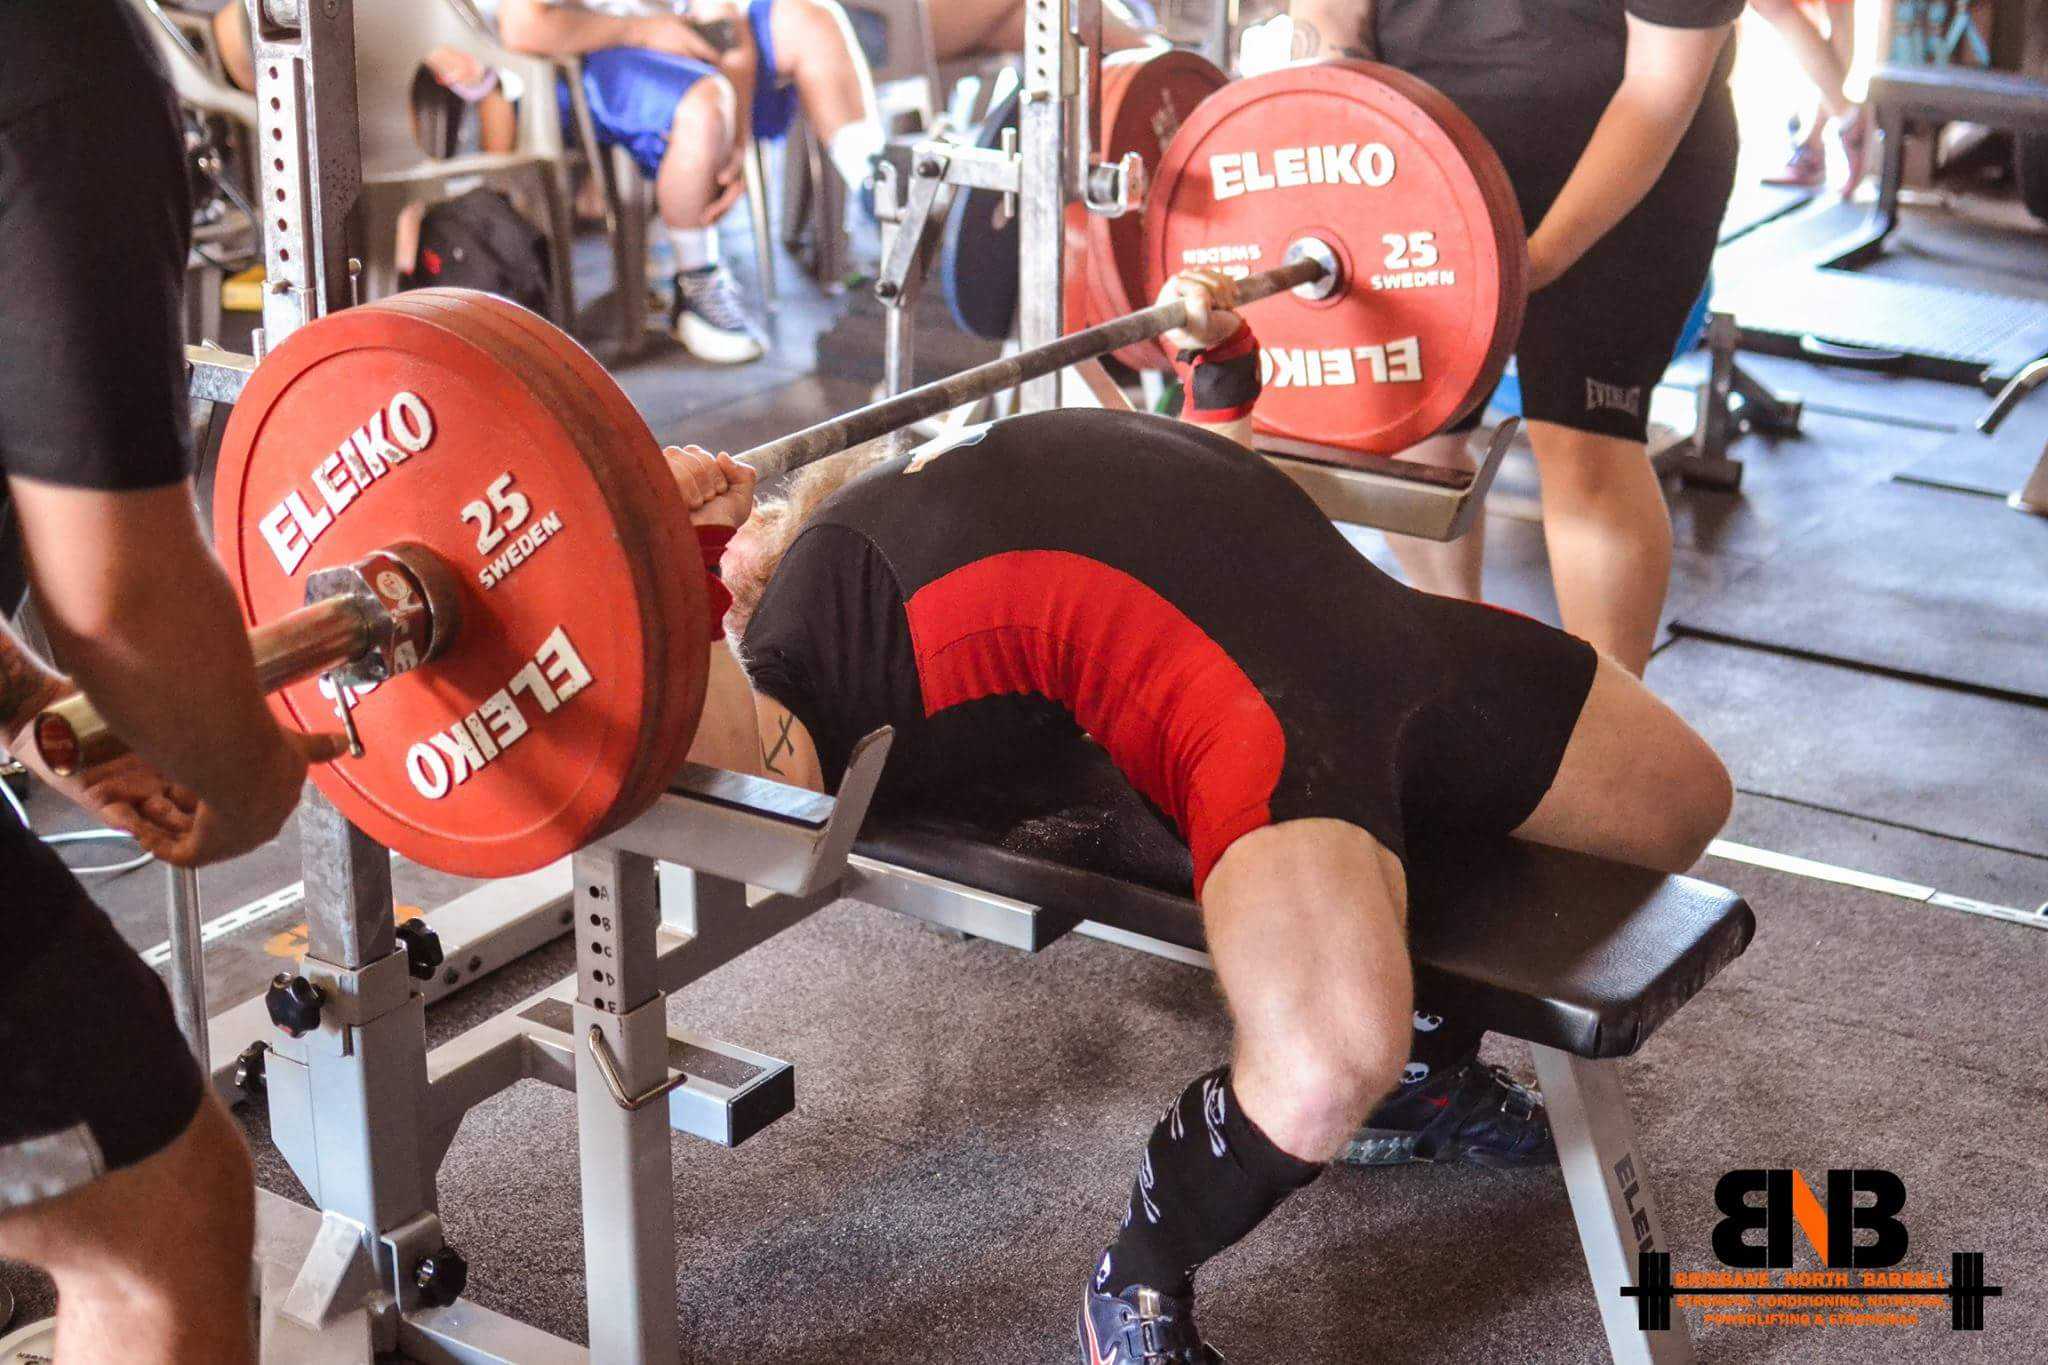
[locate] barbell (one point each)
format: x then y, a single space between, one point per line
451 531
1310 264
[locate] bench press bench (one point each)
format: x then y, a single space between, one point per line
1581 958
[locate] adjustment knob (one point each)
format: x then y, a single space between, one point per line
250 1077
441 1276
294 1004
423 955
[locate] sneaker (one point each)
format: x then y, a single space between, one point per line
1141 1327
1806 168
1471 1114
707 318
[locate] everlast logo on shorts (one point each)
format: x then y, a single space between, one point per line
1614 398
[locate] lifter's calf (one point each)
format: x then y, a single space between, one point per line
152 1261
1304 922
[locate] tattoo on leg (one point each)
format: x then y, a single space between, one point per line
783 745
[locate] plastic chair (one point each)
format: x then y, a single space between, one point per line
185 43
896 35
629 203
393 38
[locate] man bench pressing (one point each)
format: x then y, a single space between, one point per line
1298 716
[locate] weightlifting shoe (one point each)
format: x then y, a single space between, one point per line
1469 1114
707 318
1141 1327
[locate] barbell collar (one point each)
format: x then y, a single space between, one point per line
848 430
358 623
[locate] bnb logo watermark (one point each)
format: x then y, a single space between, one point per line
1855 1233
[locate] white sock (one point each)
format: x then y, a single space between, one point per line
851 149
695 248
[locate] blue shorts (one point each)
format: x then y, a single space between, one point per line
633 93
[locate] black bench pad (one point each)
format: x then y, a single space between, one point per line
1557 948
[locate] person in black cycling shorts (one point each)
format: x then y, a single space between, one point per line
1616 125
120 1173
1158 588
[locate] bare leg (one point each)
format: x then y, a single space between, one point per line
699 145
231 39
1306 922
1446 568
1637 784
815 48
1609 535
152 1261
1817 56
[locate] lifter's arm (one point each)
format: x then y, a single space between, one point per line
745 731
740 730
138 610
1665 74
1331 28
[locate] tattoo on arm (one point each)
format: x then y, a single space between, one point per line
783 745
1307 42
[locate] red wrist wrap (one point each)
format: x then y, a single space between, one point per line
711 543
1221 383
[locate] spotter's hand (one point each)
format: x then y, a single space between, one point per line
1210 295
718 488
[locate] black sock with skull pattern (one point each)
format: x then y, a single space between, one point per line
1437 1045
1209 1177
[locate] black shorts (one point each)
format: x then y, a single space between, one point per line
1596 342
94 1075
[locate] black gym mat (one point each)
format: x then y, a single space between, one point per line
1923 582
1921 757
1997 464
1951 866
1954 295
1936 330
1898 400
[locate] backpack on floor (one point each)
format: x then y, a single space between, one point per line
479 241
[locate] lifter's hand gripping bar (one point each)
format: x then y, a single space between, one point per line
835 434
365 622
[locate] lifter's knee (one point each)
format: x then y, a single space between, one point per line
1314 1085
705 117
1693 806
